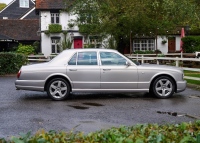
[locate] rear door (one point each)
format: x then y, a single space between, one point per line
84 71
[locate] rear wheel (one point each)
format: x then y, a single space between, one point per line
163 87
58 89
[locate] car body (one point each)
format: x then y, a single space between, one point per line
99 70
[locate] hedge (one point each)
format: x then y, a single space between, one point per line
10 63
141 133
191 44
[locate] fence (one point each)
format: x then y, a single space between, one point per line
186 60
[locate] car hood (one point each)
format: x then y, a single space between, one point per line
160 67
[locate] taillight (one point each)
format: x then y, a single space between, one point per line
18 74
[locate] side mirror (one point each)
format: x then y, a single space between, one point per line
128 63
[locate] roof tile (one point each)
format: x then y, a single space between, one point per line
20 29
49 4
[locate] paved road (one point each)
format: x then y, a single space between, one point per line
23 111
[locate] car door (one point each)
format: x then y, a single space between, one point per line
84 71
115 74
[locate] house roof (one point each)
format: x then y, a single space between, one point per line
20 29
49 4
4 37
13 11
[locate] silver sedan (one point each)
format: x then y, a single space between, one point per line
99 70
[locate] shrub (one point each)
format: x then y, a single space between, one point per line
10 63
141 133
25 49
191 44
55 28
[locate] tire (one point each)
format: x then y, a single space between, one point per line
163 87
58 89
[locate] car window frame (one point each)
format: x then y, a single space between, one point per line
77 55
100 59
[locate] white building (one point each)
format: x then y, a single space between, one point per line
51 14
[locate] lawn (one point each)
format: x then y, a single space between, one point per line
192 74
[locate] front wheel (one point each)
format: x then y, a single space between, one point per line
163 87
58 89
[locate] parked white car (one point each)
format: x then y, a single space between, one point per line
99 70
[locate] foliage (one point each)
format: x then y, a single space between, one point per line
141 133
11 62
149 52
36 46
110 43
191 44
127 18
54 28
25 49
2 6
65 43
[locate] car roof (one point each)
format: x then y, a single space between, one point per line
89 49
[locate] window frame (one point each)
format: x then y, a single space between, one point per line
56 44
84 52
24 3
115 59
54 16
144 44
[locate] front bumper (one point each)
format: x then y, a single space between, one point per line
181 86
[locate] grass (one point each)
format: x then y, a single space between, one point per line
196 82
192 73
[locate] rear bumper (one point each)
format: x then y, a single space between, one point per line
181 86
35 85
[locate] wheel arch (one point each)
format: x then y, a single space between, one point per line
157 76
57 76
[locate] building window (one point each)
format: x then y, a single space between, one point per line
55 18
55 49
143 45
24 3
93 42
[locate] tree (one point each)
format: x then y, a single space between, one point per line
124 19
2 6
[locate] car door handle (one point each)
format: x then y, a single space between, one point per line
72 69
106 69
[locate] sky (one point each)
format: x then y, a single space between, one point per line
5 1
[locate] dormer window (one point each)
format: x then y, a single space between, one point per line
24 3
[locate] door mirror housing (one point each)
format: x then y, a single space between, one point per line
128 63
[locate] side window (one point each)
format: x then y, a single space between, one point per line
109 58
73 60
87 58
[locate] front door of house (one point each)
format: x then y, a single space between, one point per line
78 43
171 44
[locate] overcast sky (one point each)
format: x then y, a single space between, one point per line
5 1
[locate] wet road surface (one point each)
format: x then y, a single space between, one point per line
23 111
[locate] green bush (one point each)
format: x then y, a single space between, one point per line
147 52
142 133
10 63
191 44
55 28
25 49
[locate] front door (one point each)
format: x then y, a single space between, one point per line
78 43
171 45
115 75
